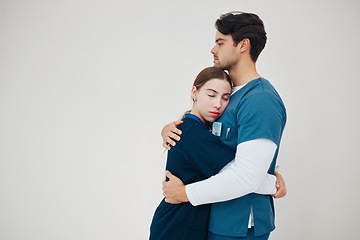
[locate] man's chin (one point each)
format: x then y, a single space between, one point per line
216 64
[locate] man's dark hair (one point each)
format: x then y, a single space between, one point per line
241 25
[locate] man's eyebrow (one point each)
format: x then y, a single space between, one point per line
219 39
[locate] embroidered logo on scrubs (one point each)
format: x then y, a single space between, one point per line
216 128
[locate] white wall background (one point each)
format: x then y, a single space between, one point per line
86 86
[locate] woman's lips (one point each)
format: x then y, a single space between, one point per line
214 114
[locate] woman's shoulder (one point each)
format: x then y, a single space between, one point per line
193 129
189 123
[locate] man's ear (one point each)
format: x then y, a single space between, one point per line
194 93
244 45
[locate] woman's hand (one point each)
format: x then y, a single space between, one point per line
280 186
170 133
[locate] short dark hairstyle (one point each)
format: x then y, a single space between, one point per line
241 25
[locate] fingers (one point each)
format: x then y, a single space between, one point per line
277 185
174 135
281 191
164 188
174 129
170 134
168 174
170 141
177 123
166 145
164 183
280 194
280 186
276 195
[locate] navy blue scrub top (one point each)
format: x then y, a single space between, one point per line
197 156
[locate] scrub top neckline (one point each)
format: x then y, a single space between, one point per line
196 118
238 88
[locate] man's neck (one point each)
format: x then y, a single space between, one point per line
242 74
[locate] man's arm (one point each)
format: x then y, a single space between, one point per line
245 175
175 193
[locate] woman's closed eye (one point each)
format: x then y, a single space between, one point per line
226 96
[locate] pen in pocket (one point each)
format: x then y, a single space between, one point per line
227 132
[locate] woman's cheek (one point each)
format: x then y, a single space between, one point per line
225 105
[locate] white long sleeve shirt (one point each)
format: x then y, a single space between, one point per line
247 173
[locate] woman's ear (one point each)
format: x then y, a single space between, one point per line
194 93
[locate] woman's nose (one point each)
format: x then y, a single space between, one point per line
217 103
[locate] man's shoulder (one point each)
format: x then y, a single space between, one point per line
262 90
257 95
260 97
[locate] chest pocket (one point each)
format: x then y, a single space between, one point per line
229 136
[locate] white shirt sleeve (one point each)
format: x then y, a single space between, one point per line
247 173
